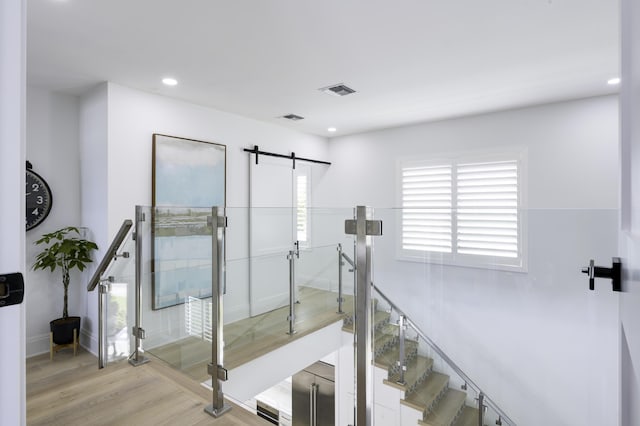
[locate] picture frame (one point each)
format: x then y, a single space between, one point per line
188 178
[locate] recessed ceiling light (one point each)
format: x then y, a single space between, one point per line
331 129
613 81
170 81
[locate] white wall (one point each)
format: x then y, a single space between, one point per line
572 162
12 214
53 150
93 133
133 117
538 343
95 151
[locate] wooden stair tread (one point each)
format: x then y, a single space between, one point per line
468 417
415 371
390 357
382 340
427 392
379 317
388 329
447 409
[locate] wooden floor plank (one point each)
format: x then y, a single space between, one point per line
72 391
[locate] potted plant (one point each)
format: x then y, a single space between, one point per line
66 249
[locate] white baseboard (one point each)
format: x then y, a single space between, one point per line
89 342
37 345
268 304
235 313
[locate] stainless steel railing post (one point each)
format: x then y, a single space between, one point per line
292 291
138 332
401 348
103 292
102 333
363 229
480 409
216 368
340 265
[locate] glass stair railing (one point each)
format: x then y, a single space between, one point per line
439 392
114 279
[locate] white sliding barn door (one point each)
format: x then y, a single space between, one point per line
271 232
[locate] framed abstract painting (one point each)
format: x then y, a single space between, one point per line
188 178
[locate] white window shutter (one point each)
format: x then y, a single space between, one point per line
487 209
302 218
426 208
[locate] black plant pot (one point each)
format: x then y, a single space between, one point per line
62 329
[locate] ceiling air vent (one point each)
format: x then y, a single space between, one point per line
293 117
338 90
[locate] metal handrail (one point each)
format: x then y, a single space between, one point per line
110 255
343 255
349 261
444 356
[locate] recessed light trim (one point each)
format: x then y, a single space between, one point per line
331 129
613 81
337 90
169 81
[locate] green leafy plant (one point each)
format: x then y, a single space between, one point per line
67 251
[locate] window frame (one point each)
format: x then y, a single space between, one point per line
519 264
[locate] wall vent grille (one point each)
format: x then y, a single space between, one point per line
337 90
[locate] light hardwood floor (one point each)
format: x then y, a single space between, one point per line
72 391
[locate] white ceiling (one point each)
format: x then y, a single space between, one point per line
408 60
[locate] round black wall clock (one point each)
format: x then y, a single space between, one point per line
39 198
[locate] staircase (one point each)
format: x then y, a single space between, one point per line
424 389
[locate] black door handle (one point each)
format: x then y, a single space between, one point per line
614 274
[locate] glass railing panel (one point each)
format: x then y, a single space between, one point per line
490 314
113 280
491 416
176 269
119 309
118 337
256 332
251 327
318 284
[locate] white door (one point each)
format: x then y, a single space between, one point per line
271 230
630 215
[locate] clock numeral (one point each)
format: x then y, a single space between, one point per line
38 199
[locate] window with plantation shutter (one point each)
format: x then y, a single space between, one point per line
462 212
426 214
487 209
302 216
